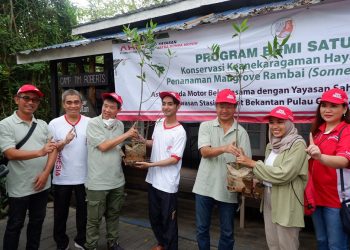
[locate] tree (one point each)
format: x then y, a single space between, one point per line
98 9
144 44
28 24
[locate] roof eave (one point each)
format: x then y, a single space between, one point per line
96 48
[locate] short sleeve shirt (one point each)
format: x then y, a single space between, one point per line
71 164
167 142
104 168
326 180
20 180
211 177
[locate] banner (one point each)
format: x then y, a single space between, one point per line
315 59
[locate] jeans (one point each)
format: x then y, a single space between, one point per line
18 206
163 217
101 203
329 229
62 197
204 208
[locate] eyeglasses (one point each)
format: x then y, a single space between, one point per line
28 99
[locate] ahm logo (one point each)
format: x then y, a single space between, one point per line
281 111
337 95
230 97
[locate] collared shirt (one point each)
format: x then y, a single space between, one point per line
20 180
326 179
211 177
104 168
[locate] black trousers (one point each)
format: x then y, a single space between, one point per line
35 204
62 197
163 217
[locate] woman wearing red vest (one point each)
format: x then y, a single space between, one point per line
330 150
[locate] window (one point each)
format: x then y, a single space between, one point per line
191 157
257 136
304 130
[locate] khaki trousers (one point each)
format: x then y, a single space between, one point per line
107 203
278 237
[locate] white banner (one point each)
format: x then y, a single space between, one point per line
316 58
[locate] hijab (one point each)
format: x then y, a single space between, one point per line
280 144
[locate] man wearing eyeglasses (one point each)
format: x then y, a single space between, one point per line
69 174
105 180
30 166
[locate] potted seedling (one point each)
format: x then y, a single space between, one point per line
144 44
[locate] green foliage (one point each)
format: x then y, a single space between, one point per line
240 28
144 43
275 48
28 24
98 9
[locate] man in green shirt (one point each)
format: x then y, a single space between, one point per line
30 166
216 142
105 179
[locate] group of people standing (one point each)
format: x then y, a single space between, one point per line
85 156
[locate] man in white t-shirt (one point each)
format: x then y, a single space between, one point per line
168 144
69 174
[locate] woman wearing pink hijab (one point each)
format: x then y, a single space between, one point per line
284 174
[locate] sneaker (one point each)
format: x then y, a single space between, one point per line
79 246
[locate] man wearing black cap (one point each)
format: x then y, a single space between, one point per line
168 144
105 179
30 166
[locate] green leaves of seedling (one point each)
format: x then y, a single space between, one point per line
215 49
144 43
240 28
275 48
